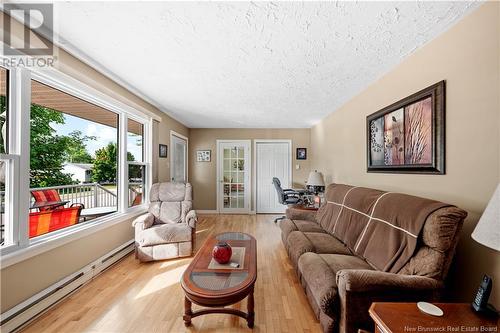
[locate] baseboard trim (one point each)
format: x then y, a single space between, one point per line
207 211
25 312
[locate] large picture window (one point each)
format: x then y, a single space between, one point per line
73 160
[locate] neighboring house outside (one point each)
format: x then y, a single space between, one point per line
80 172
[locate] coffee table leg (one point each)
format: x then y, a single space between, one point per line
251 313
187 312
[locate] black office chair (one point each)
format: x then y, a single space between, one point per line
285 196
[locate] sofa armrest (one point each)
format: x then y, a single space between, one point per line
191 219
358 289
370 281
144 221
300 214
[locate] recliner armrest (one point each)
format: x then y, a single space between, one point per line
144 221
370 281
357 289
191 219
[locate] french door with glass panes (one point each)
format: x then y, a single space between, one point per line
233 165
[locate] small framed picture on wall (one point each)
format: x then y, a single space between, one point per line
302 153
203 155
163 150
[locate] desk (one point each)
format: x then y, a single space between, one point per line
406 317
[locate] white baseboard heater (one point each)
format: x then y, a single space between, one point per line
22 314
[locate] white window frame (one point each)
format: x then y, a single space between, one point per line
19 129
146 151
11 230
11 210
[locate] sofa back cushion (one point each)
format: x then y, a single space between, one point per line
387 229
346 213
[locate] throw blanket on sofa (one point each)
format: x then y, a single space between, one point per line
382 227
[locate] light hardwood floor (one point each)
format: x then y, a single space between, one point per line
147 297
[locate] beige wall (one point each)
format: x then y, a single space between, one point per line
23 280
467 57
203 175
161 166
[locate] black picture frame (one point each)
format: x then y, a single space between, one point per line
301 154
434 153
163 151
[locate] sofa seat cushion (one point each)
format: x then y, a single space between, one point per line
287 226
338 262
299 242
164 233
318 276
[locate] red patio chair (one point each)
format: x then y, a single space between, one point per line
137 200
46 196
50 195
48 221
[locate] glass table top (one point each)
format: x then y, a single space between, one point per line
232 236
218 280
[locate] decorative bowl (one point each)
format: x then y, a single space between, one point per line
222 252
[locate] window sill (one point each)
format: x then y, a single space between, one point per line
46 243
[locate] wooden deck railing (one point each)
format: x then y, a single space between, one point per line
89 194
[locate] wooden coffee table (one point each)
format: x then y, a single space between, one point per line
217 288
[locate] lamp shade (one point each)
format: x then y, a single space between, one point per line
315 179
487 231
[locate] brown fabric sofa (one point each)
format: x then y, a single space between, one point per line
366 245
167 230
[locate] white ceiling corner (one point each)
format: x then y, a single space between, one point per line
250 64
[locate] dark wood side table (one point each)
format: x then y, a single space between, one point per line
406 317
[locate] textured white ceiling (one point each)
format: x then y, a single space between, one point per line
251 64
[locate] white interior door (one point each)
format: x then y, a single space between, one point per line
178 159
233 165
273 160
